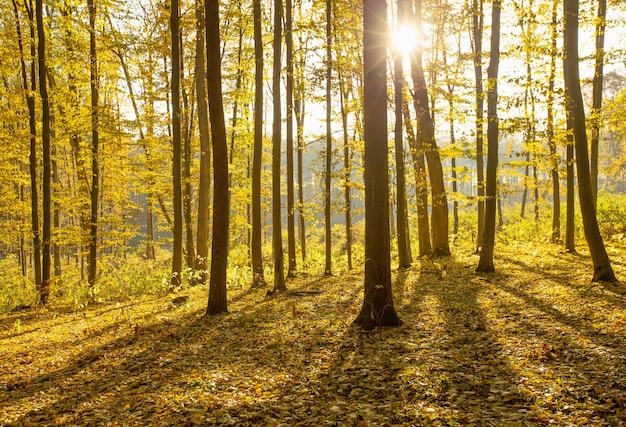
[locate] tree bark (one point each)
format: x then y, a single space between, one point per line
596 110
291 227
602 270
95 136
177 254
329 144
485 263
426 139
258 279
221 215
46 232
277 240
378 309
477 31
204 184
554 156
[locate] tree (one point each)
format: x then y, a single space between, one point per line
46 231
291 231
95 172
551 134
485 263
378 309
596 110
29 82
477 36
204 185
177 255
258 279
221 215
404 242
329 143
602 270
426 142
277 240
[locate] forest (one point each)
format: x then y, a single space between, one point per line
302 212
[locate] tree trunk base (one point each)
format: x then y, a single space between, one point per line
604 273
367 320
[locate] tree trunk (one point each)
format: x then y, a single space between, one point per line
204 185
277 240
258 274
554 156
29 90
602 270
378 309
347 170
570 220
291 226
95 166
404 243
596 110
177 254
485 263
221 215
477 31
426 139
329 144
46 232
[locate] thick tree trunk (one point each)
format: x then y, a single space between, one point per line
378 309
601 263
221 215
485 263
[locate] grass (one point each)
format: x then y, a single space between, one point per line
534 344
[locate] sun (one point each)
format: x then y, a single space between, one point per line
404 39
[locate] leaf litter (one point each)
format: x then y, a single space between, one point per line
534 344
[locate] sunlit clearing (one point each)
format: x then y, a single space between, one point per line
404 40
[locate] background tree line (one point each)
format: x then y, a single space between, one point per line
117 117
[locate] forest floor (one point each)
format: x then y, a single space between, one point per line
534 344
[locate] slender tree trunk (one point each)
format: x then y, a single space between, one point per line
554 156
190 255
277 240
477 31
204 185
404 243
258 279
426 138
95 166
29 90
421 186
378 309
150 253
299 107
291 230
44 290
602 270
329 144
570 221
221 215
596 110
485 263
347 170
177 255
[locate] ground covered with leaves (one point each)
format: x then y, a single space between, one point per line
533 344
